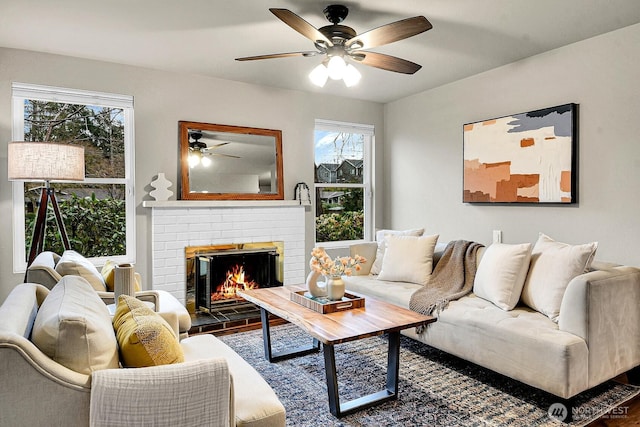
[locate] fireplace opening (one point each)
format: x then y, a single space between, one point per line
221 273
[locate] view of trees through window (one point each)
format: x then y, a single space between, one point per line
94 211
339 185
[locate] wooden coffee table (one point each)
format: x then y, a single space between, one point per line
376 318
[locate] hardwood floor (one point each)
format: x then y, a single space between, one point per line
625 415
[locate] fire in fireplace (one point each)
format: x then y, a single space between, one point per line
219 274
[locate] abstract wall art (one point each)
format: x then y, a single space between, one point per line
522 158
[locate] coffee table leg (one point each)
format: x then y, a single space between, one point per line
390 393
272 356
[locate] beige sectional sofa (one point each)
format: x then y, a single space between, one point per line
74 378
595 336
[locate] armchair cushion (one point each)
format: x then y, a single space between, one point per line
73 327
73 263
189 394
145 338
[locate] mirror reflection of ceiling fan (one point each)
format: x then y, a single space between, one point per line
198 150
339 42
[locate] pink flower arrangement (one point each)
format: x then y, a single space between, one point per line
323 264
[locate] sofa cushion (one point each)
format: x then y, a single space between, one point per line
398 293
144 337
73 327
382 244
501 274
553 265
408 259
72 263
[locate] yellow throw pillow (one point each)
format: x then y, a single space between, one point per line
145 338
108 274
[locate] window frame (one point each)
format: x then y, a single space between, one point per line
367 177
23 91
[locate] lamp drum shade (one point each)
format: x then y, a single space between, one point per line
45 161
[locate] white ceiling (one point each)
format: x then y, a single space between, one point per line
204 36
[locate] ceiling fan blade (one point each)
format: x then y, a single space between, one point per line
390 33
221 155
213 147
301 26
386 62
279 55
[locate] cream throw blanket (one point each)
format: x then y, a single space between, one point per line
452 278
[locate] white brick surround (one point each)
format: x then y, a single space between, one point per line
178 224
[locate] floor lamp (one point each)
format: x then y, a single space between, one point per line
45 161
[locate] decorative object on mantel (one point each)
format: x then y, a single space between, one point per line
333 270
161 186
522 158
302 193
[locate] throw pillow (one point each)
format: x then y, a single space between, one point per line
408 259
501 274
382 244
108 275
73 327
72 263
553 265
145 338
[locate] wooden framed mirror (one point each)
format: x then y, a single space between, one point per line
222 162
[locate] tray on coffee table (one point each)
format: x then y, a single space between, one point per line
324 305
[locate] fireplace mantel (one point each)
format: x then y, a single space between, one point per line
220 203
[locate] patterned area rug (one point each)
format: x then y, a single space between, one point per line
435 389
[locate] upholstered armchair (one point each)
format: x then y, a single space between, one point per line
48 268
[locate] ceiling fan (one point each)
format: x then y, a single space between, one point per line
338 42
199 149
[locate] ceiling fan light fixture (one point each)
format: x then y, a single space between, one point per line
351 76
193 160
336 67
319 75
205 161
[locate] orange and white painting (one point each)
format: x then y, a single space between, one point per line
522 158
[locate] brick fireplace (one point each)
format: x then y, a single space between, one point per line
177 225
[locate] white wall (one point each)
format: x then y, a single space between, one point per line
423 148
161 100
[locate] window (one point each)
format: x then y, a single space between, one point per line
98 213
343 176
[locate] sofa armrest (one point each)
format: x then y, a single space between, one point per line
367 250
190 393
602 308
149 296
43 270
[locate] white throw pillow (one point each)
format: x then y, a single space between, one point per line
553 265
501 274
72 263
408 259
382 244
73 327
